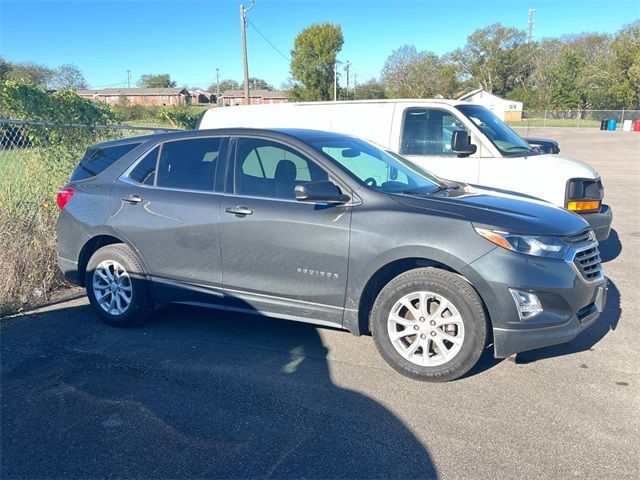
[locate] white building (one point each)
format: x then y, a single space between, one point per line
507 110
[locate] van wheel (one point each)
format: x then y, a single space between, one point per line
429 324
117 287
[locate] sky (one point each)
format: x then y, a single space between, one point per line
189 39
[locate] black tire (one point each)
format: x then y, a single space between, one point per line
459 293
140 306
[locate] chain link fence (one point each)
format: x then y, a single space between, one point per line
36 159
575 118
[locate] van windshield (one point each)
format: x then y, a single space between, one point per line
504 138
376 168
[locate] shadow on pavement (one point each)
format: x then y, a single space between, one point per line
611 247
193 393
588 338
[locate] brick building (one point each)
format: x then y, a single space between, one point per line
138 96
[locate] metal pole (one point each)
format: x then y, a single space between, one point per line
217 82
243 33
128 78
346 67
335 81
622 120
544 123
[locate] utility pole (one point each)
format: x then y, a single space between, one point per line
128 78
355 84
243 32
532 24
346 67
217 82
335 80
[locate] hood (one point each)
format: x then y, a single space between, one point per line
572 168
497 209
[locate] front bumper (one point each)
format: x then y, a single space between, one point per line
570 304
600 222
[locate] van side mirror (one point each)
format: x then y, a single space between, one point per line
461 143
323 192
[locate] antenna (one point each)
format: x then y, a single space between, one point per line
532 24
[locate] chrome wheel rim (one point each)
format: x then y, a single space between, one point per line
112 287
426 328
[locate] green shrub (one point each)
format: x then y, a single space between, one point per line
181 116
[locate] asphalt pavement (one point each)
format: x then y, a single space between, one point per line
197 393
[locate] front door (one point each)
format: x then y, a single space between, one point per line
281 256
425 139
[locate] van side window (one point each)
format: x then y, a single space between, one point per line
428 131
145 171
272 170
188 164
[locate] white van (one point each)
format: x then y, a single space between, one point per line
454 140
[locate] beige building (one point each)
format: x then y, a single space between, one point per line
507 110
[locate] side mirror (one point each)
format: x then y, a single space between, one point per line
323 192
461 143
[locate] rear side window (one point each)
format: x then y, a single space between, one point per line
145 171
97 159
188 164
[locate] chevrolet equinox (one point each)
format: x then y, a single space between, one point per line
327 229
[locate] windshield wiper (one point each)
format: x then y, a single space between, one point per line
517 148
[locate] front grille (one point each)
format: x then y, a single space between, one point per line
588 263
578 238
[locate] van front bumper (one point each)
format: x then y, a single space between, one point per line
600 222
570 304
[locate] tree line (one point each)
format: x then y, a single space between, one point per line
584 71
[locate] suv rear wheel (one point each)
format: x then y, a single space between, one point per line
429 324
116 286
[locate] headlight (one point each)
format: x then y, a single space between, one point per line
538 246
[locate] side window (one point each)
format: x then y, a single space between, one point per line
428 131
188 164
145 171
365 166
269 169
97 159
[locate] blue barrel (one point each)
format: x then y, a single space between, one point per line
612 123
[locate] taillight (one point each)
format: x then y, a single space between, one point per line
64 195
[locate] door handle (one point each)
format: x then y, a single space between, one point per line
132 199
239 210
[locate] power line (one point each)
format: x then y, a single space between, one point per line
286 57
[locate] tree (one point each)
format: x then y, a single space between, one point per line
162 80
567 92
313 60
68 77
259 84
5 68
369 90
30 73
495 58
408 73
225 85
625 49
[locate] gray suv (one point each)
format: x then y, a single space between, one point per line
331 230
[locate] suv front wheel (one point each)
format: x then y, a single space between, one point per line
116 286
429 324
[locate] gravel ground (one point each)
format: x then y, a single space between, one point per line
198 393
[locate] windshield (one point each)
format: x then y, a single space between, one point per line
506 140
375 168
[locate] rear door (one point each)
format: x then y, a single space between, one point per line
282 256
169 211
